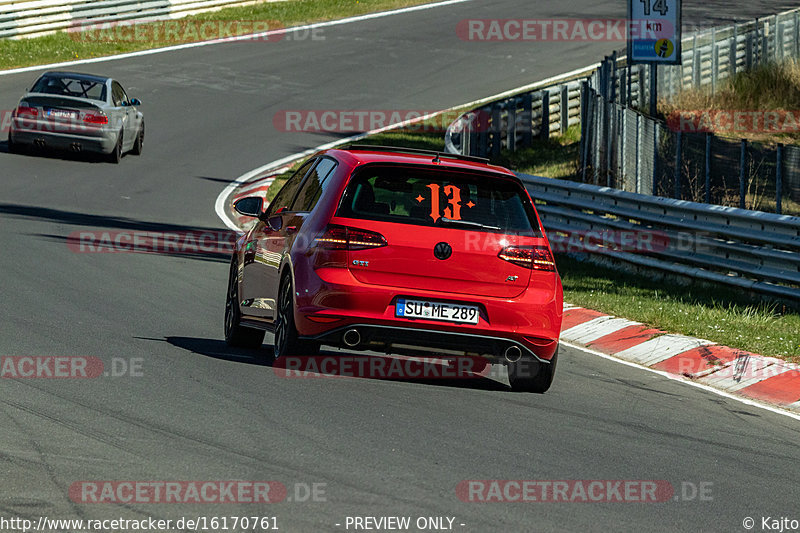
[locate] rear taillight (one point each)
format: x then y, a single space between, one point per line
91 118
25 111
533 257
345 238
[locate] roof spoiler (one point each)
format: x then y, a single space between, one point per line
401 149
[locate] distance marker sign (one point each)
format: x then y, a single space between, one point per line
654 31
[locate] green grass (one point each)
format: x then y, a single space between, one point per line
63 46
720 314
556 157
769 87
407 139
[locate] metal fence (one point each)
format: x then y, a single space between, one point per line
624 149
513 122
707 57
31 18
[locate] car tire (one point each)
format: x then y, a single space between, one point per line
237 335
116 154
287 340
138 146
13 148
519 375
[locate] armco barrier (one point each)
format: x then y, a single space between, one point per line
747 249
514 121
30 18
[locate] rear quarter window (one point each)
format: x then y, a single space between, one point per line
314 185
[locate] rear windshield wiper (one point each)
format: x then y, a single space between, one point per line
478 225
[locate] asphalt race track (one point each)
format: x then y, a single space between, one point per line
192 409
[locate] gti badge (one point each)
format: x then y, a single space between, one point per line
361 263
512 278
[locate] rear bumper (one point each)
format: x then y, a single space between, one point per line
327 310
103 141
415 341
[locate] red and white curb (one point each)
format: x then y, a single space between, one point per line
765 379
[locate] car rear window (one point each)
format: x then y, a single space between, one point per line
432 197
68 86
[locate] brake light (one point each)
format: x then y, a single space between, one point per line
533 257
25 111
345 238
91 118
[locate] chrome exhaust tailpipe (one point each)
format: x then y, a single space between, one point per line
39 143
513 354
351 338
75 147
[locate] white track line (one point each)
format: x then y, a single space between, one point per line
219 205
329 23
685 381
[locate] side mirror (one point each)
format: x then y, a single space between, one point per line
250 206
135 101
275 222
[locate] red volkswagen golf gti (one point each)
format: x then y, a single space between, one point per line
399 251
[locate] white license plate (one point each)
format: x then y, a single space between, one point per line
463 314
59 113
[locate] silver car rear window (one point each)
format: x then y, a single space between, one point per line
68 86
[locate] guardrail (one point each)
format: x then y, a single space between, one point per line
39 17
514 121
746 249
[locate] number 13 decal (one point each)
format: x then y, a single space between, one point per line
453 208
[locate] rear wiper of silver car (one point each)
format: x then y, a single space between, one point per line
467 223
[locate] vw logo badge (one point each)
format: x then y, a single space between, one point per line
442 251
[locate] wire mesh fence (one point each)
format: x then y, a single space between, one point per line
635 153
625 149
